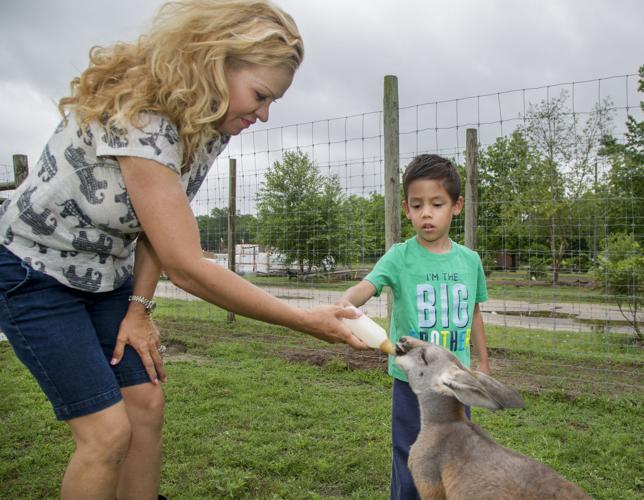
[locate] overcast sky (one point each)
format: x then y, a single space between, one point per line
439 49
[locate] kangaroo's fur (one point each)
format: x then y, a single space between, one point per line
454 459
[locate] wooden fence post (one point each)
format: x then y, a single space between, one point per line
232 211
392 166
20 171
20 168
471 187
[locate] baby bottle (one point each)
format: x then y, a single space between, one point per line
371 333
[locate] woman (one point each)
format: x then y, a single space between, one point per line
145 122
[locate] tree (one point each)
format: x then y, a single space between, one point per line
323 246
363 223
620 272
213 229
506 193
299 212
566 155
626 177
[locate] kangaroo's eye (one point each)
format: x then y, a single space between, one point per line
422 356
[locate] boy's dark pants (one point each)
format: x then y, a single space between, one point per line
405 426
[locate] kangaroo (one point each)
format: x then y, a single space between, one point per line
452 458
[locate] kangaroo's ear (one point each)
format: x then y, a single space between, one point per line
507 398
478 389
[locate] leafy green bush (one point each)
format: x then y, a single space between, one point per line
537 269
620 272
489 263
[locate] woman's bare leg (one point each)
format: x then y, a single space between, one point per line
102 441
141 470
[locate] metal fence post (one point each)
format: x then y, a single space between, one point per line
471 187
232 211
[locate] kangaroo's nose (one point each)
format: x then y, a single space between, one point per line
400 347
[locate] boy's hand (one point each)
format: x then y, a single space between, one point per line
344 303
357 295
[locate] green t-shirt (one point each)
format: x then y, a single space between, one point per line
434 295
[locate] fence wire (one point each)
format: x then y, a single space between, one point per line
571 216
543 224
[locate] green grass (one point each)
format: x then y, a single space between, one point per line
590 347
595 442
242 421
319 282
524 290
593 347
273 429
513 286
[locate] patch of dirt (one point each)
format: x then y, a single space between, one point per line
177 351
187 358
496 364
355 360
515 371
175 348
511 372
365 360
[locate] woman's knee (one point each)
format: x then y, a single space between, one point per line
116 442
145 405
103 437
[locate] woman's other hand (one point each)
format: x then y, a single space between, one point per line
138 330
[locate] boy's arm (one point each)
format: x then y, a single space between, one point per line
358 294
479 341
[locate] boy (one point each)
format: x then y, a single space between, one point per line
437 285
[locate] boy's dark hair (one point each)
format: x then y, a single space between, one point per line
433 167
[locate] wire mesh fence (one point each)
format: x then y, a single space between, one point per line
559 227
551 195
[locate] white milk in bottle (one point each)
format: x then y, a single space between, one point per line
371 333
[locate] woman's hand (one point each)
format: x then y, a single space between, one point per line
325 323
138 330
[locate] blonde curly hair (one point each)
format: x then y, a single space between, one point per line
177 68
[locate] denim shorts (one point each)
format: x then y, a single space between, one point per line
65 337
